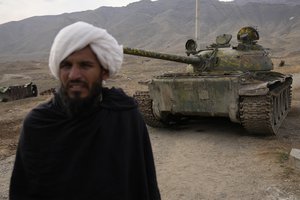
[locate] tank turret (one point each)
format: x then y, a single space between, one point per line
220 56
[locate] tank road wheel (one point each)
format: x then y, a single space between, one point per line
263 115
34 91
145 105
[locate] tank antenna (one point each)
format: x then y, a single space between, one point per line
197 21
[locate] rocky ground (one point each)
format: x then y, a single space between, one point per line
212 158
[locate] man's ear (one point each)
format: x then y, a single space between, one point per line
104 74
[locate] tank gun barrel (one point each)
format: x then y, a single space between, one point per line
163 56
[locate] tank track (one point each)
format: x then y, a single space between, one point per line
145 106
263 115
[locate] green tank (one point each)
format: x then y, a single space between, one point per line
226 81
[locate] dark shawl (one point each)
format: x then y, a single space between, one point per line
104 154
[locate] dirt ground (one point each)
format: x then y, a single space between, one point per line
212 158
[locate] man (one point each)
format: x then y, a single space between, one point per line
88 142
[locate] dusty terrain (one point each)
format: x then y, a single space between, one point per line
210 159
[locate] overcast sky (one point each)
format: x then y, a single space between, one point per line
14 10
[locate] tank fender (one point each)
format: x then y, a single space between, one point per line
260 88
254 89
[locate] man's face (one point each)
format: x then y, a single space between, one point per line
79 72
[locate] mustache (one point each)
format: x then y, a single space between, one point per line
78 81
77 106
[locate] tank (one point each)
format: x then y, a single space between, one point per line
16 92
237 82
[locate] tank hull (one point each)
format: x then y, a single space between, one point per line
258 101
204 95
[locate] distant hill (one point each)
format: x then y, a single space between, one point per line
289 2
162 25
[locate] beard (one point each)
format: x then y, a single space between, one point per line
77 105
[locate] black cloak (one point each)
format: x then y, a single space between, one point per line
104 154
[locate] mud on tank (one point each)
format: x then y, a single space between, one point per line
227 81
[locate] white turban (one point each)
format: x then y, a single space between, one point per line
79 35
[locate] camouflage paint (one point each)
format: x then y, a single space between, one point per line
198 95
229 59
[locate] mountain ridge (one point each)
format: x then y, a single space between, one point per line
162 25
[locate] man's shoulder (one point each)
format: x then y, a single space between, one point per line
117 99
41 111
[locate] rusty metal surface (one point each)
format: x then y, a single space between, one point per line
199 95
12 93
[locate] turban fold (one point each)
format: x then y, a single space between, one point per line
79 35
